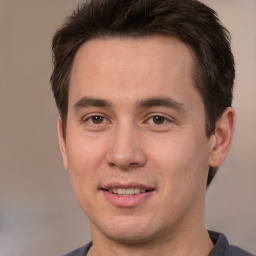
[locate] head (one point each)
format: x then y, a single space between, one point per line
144 90
193 23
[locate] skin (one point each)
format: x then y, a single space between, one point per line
134 116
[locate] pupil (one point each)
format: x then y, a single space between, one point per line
158 119
97 119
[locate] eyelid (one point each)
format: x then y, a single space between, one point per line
168 119
87 117
91 118
164 121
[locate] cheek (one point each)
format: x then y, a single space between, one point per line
84 159
84 156
183 170
182 162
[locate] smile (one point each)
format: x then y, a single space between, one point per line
126 191
127 195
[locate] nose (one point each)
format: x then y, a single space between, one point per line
126 150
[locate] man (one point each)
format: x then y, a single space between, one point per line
144 90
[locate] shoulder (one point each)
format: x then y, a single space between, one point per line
236 251
80 251
222 247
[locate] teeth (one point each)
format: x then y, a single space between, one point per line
126 191
121 191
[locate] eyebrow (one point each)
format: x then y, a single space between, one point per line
87 102
161 102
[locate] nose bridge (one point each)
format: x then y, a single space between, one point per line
126 149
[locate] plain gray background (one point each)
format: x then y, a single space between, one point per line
38 212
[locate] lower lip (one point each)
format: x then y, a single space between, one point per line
127 201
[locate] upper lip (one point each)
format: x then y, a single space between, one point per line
126 185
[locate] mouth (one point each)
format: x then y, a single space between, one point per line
127 195
127 191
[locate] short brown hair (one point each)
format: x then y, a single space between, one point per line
192 22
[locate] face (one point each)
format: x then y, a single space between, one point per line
136 147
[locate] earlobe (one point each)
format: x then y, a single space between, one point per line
222 138
62 143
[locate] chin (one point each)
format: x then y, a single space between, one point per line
129 232
132 237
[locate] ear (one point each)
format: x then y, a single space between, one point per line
62 143
222 138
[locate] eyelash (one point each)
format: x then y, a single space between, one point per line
90 119
163 120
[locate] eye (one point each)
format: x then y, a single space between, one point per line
158 120
96 120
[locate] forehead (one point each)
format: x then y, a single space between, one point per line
118 65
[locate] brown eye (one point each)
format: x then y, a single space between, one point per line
96 119
158 119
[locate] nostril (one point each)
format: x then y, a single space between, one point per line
124 167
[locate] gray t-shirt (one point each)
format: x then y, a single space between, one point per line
221 247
